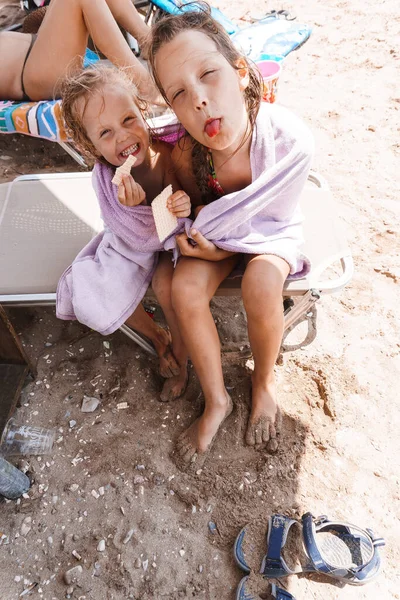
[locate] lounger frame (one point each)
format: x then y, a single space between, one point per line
301 296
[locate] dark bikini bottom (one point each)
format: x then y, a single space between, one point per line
25 96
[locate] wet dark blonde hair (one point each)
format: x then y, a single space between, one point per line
80 87
200 19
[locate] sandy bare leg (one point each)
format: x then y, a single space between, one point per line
262 286
175 386
160 338
196 441
161 284
265 417
193 286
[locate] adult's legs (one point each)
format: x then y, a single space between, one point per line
62 40
262 288
128 17
194 284
175 386
161 340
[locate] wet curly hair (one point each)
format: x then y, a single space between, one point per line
81 86
200 19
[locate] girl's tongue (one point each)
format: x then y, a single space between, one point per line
212 127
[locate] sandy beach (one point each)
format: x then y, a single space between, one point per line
339 448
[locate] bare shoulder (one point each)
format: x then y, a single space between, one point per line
176 165
160 149
182 154
161 157
181 158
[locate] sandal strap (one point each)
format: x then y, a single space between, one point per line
376 540
311 546
238 551
281 594
243 593
273 564
360 574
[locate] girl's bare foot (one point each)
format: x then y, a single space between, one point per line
175 386
265 417
197 439
167 361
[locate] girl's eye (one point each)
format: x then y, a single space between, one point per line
178 93
129 119
104 132
208 73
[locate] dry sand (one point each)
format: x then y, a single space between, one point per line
344 83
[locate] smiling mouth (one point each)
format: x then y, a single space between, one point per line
134 149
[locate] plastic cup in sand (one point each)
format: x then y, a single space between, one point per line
19 440
270 71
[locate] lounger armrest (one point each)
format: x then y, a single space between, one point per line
329 286
327 246
318 180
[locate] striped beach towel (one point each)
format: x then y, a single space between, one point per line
38 119
43 119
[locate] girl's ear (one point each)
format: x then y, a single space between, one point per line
243 73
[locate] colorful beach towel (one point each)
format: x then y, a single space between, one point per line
38 119
271 38
174 7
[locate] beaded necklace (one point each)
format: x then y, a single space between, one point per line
213 182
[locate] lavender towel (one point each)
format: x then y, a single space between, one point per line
110 276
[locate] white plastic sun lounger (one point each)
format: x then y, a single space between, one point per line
45 220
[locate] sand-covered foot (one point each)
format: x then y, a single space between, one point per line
175 386
265 417
168 364
194 443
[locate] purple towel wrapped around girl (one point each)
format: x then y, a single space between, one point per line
110 276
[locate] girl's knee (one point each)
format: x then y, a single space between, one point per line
262 297
262 284
187 294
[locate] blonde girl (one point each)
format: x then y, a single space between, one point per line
105 116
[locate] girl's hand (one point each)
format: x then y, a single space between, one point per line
205 249
130 193
179 204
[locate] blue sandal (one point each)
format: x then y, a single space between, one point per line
339 550
243 592
347 553
273 564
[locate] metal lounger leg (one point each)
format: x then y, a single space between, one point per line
138 339
304 310
72 152
149 13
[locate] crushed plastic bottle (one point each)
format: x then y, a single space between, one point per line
13 483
